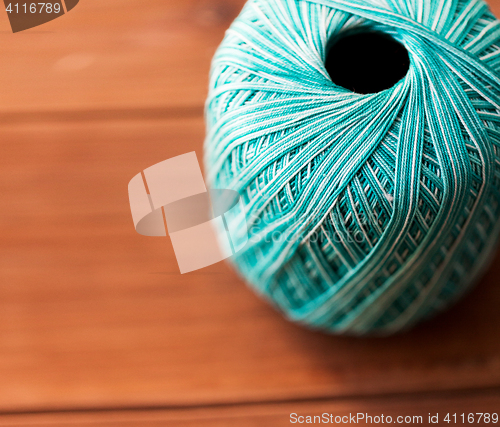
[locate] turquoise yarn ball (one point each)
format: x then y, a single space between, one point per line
366 212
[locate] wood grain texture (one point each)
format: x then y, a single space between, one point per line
124 54
114 54
94 315
278 414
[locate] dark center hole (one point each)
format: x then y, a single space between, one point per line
367 62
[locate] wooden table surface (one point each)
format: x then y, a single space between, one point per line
96 325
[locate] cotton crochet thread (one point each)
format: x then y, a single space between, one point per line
367 212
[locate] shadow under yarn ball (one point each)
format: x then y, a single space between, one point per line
364 140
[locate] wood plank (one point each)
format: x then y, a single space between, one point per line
94 315
415 409
114 54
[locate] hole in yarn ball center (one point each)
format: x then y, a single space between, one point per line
367 62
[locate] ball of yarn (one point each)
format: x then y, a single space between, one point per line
367 212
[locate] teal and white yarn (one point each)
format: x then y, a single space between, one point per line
366 212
